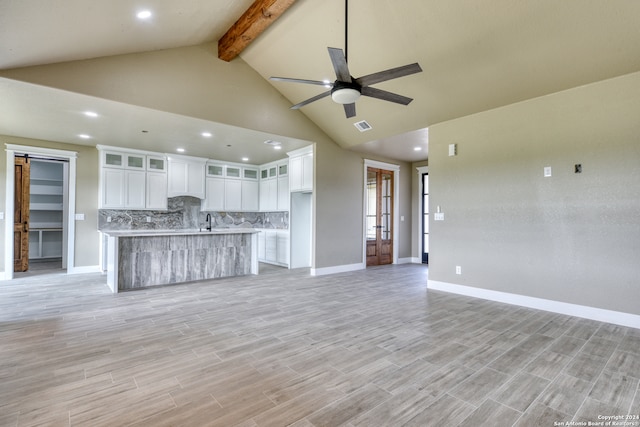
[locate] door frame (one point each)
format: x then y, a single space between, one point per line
396 218
12 150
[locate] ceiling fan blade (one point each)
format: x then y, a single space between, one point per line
340 64
310 100
309 82
350 110
372 92
390 74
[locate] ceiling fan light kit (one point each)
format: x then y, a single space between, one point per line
343 93
346 90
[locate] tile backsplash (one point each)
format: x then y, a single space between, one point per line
183 213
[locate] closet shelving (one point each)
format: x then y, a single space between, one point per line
46 209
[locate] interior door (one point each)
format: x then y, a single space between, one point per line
21 215
379 216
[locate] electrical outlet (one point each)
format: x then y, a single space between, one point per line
108 219
458 269
148 219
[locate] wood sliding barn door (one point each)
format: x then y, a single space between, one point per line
379 216
21 215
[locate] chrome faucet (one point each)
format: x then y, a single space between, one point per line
208 222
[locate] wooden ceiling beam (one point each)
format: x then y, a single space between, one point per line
251 24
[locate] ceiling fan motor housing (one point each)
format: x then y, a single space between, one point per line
345 92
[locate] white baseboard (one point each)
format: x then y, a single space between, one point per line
586 312
337 269
85 269
410 260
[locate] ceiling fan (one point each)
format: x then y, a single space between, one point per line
347 89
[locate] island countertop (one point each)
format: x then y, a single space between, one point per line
173 232
143 258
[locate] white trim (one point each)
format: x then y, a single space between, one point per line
410 260
337 269
8 217
421 170
86 269
586 312
71 156
41 151
396 206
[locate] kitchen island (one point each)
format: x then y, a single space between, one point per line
143 258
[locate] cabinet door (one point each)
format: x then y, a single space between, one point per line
135 161
112 160
283 193
135 187
273 195
250 195
307 172
295 173
112 188
233 195
282 249
214 200
262 249
195 179
156 190
177 177
264 195
271 244
156 164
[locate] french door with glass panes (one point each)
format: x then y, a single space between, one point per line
379 216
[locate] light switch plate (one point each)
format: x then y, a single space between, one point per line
547 171
1 215
79 217
438 216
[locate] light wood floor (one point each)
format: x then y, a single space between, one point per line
369 348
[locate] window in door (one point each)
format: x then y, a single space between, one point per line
425 218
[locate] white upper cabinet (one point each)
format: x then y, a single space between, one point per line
231 187
301 170
274 186
132 179
186 176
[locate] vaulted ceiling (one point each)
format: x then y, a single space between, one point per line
476 55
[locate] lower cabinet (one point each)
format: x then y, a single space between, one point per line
273 247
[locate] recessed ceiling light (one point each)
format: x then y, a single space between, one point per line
277 147
417 148
180 150
144 14
90 114
84 136
245 159
206 134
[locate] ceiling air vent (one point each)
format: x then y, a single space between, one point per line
272 143
362 126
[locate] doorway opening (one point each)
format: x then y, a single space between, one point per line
40 204
48 192
379 216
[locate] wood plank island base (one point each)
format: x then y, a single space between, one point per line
140 259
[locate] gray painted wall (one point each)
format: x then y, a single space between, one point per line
571 237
